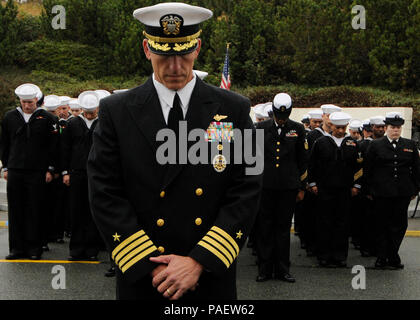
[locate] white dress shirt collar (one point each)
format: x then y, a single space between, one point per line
166 96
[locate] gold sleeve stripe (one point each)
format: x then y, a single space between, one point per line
358 174
219 247
303 176
222 240
138 258
130 247
135 252
227 237
215 252
126 242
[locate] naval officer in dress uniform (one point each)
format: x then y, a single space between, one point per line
335 169
284 182
173 230
28 146
393 178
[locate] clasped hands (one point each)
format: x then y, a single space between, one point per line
175 275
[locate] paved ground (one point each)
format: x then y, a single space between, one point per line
23 281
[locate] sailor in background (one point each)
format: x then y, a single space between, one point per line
366 130
305 122
28 147
75 108
357 218
284 183
75 146
334 173
393 178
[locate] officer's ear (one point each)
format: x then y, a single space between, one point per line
146 49
197 51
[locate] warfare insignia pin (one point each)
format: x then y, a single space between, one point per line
219 117
171 24
219 163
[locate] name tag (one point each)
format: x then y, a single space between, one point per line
219 132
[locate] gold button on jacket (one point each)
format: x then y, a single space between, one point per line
160 222
199 192
162 194
198 221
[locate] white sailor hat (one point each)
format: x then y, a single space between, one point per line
27 91
305 118
259 111
316 114
119 90
340 118
172 28
330 108
89 100
64 100
201 74
103 93
74 104
377 121
52 102
355 125
394 118
268 108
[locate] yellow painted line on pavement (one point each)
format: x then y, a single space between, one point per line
48 261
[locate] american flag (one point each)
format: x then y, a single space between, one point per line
225 75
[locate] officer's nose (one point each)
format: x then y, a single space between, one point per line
175 64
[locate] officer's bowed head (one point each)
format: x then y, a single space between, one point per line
172 28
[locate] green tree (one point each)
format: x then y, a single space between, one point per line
8 32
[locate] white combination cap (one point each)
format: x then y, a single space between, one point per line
340 118
394 118
89 100
316 114
27 91
282 102
330 108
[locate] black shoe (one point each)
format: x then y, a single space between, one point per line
110 273
15 256
60 241
381 264
395 266
45 248
287 277
263 278
35 257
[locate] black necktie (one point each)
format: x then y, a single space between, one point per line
175 115
394 143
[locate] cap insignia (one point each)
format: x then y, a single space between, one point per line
171 24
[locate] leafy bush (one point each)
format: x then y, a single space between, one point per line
72 58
